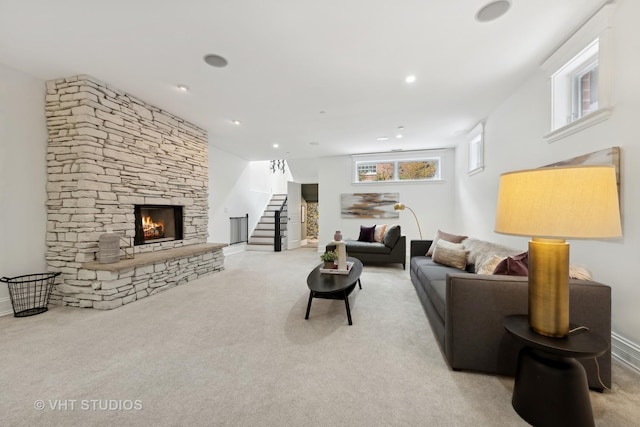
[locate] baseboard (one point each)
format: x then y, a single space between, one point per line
234 249
626 351
5 306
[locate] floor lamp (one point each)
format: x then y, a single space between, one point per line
401 207
550 205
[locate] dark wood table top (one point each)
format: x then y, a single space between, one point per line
328 283
579 344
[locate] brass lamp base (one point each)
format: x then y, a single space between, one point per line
549 287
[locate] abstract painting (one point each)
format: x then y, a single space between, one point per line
369 205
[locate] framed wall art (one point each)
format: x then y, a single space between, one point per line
369 205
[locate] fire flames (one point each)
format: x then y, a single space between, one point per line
152 230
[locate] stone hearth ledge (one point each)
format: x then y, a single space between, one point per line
108 286
149 258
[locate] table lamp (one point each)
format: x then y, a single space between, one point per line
401 207
550 205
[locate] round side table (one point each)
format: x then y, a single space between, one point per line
551 386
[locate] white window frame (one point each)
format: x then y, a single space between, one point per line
395 159
577 89
367 165
589 44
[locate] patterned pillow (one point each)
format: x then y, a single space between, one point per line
379 233
450 254
444 236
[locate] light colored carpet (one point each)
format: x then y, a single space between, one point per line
234 349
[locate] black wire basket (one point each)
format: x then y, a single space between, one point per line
30 293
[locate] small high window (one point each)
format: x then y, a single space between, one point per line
579 72
404 167
382 171
575 87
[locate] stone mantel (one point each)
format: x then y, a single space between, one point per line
155 257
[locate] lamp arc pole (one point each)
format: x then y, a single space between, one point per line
401 207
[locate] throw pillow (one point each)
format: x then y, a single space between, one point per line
450 254
391 236
517 265
481 251
379 233
366 234
577 272
489 266
444 236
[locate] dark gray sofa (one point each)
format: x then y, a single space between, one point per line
465 311
392 250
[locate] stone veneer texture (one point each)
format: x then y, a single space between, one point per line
108 151
312 220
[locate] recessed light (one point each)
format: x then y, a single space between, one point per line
314 143
236 122
398 135
275 145
410 79
383 138
215 60
183 88
493 10
400 127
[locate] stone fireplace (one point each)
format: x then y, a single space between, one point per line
117 164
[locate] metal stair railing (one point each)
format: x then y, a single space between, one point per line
277 238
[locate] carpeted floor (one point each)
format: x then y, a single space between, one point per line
233 349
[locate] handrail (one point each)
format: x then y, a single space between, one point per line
277 235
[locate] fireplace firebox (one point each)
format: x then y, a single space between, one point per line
157 223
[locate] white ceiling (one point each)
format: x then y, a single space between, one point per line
300 71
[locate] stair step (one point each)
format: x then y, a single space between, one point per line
262 240
272 214
263 248
267 233
269 226
271 220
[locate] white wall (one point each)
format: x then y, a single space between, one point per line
238 187
513 140
23 146
432 202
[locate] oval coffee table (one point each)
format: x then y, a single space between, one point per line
334 286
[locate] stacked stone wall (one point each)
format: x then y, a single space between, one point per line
108 151
116 288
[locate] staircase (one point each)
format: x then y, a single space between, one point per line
263 235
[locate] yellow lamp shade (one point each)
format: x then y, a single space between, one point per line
562 202
551 204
